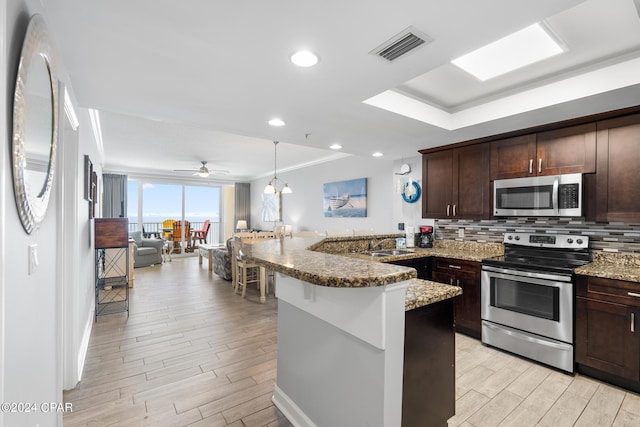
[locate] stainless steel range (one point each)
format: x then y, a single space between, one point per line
528 296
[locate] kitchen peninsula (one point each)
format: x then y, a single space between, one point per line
350 329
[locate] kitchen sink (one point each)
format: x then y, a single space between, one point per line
390 252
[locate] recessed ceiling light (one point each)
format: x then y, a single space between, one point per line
335 146
304 58
517 50
377 154
276 122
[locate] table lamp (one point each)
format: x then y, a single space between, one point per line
241 225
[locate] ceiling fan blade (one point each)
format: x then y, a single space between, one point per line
203 171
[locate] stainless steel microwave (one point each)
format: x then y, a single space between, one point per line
555 195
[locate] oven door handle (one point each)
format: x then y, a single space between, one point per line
505 273
554 197
527 337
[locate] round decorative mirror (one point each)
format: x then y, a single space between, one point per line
35 125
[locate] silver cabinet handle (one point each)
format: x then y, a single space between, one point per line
530 165
454 210
448 207
540 165
457 282
554 197
633 322
633 294
457 267
451 280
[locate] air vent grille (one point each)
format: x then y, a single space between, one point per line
401 44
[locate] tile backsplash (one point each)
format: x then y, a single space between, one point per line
613 236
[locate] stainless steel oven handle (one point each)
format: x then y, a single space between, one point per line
556 183
519 273
526 337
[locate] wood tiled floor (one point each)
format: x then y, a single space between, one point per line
192 353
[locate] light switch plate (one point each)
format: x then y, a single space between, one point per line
33 258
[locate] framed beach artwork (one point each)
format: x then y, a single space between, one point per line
345 198
271 207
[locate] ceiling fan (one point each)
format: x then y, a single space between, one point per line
203 172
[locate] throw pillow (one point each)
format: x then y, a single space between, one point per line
137 237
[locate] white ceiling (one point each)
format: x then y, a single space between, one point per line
180 82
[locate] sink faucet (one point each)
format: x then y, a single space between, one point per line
373 244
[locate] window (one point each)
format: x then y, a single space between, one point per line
162 201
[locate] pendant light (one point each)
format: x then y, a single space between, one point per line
271 187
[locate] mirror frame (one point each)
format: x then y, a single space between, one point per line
36 46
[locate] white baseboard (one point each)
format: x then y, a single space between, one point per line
290 410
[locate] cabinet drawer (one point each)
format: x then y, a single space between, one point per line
457 267
601 289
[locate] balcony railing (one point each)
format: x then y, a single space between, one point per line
213 236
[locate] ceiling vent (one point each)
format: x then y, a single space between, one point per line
401 44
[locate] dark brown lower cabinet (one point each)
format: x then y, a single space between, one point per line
607 331
428 389
422 266
466 274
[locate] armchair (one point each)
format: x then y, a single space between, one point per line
222 261
147 251
201 235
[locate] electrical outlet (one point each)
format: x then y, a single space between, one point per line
460 232
401 226
33 258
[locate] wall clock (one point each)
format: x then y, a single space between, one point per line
411 192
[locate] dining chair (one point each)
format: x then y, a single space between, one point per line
244 272
245 234
305 234
336 233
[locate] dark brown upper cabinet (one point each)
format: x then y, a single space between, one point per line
566 150
456 183
618 173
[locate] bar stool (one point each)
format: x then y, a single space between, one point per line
244 272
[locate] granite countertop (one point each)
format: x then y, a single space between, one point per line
468 251
291 256
307 259
612 265
424 292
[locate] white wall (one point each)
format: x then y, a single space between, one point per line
33 307
77 260
303 208
409 213
30 371
4 176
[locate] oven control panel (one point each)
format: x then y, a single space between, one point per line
561 241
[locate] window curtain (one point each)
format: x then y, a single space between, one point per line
114 195
243 203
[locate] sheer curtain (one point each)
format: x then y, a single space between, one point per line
114 196
243 203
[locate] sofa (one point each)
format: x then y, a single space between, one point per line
222 261
147 251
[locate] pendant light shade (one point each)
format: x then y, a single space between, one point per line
271 187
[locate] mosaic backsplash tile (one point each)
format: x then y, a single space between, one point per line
614 237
